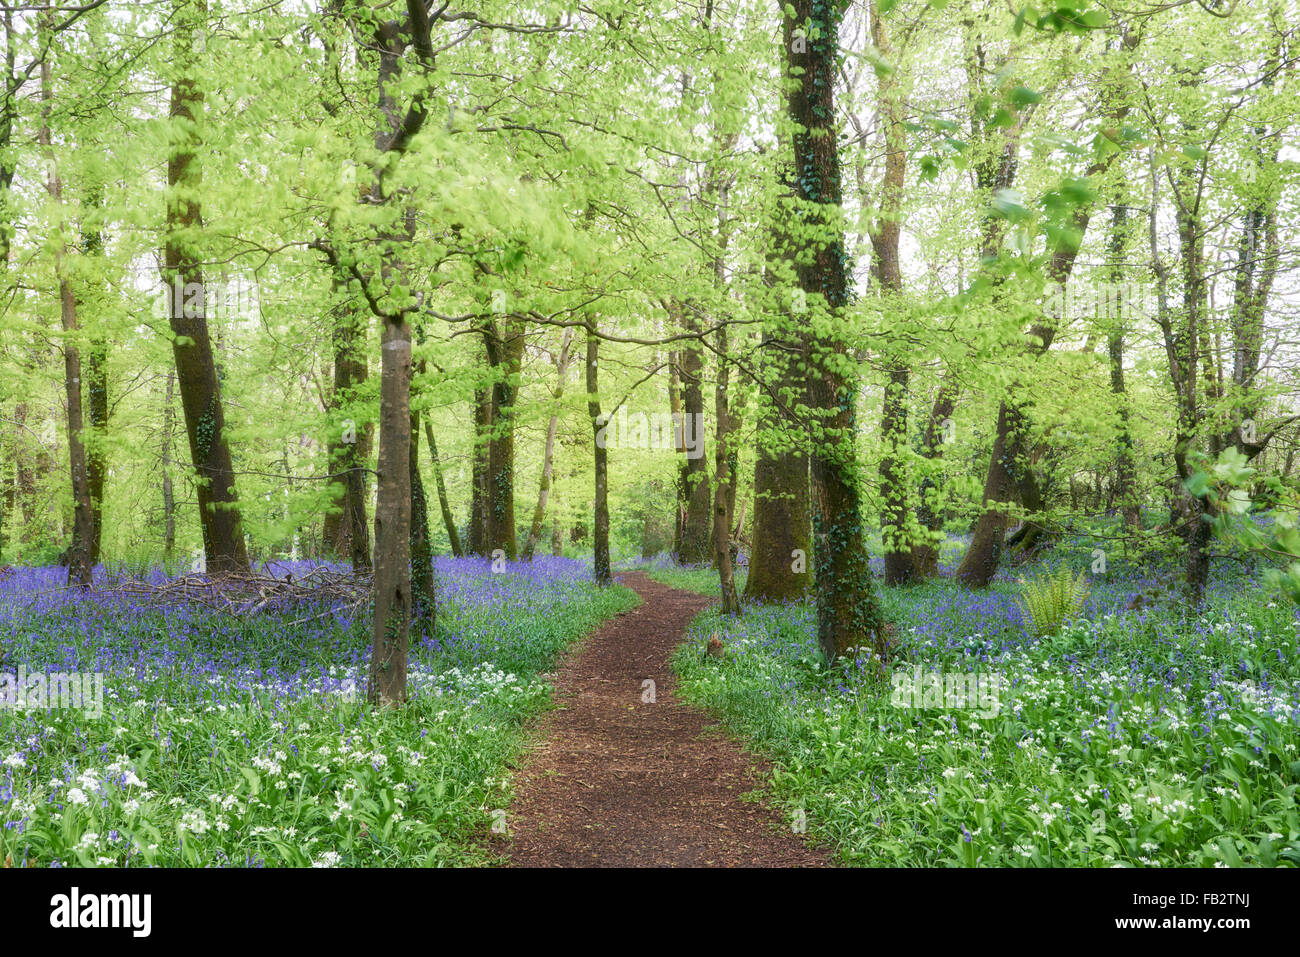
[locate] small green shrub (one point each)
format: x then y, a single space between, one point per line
1049 601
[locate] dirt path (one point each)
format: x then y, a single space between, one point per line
618 782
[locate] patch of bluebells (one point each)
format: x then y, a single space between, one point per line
213 721
47 627
1143 734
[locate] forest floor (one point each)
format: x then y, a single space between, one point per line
625 778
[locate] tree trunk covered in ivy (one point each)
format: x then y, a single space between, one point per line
847 612
1189 346
780 556
505 349
780 563
349 528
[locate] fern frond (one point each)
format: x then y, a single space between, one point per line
1049 601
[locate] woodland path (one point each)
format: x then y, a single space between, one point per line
615 782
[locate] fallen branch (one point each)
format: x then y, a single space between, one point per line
247 594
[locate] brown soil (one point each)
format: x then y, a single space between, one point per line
618 782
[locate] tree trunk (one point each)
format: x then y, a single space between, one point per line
169 498
24 480
453 536
392 560
985 550
424 601
1257 263
1030 495
97 404
997 171
333 540
847 614
885 235
896 539
83 532
1181 335
600 538
8 166
392 564
1198 531
780 555
96 466
505 348
1125 466
925 554
735 418
779 558
675 409
548 455
350 528
1197 573
1007 471
478 509
724 494
196 372
357 524
695 504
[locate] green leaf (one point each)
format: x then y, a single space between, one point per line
1238 501
1022 96
1002 119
